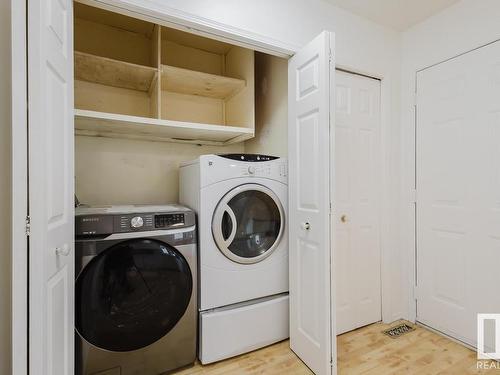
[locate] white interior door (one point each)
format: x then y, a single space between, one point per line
310 105
357 196
51 199
458 192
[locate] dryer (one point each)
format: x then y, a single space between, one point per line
241 202
135 290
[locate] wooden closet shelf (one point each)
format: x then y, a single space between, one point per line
111 125
185 81
112 72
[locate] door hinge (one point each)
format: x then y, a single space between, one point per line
415 292
331 208
28 225
330 56
413 198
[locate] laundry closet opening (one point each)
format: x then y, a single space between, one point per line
151 100
149 97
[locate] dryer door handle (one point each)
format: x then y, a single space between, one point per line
234 225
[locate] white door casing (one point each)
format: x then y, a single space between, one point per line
51 199
357 196
310 105
19 189
458 192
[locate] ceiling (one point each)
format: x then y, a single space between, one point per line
396 14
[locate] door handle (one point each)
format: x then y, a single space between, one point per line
306 226
63 250
234 226
343 218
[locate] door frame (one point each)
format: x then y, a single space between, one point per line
385 284
388 205
191 23
171 17
19 185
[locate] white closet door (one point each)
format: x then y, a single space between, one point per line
458 192
357 197
310 104
51 202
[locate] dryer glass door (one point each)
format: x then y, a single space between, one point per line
132 294
248 223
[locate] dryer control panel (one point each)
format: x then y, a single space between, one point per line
249 157
216 168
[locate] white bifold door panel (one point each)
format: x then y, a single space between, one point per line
311 74
51 200
458 192
356 218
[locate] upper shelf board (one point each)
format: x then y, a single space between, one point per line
102 124
112 72
185 81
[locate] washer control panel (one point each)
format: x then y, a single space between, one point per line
169 220
128 223
137 222
93 225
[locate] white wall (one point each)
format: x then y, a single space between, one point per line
464 26
271 107
361 44
5 197
122 171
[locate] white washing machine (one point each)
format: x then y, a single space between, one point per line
241 202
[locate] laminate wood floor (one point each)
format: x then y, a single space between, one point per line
363 351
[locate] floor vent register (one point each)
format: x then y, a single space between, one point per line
398 331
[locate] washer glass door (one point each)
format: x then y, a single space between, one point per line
132 294
248 223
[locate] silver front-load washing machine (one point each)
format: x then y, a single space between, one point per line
135 289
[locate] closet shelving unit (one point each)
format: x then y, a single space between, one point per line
138 80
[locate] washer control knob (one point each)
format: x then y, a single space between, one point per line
251 169
136 222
